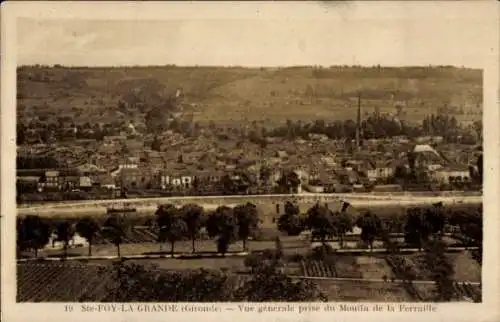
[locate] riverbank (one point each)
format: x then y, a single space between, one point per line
149 205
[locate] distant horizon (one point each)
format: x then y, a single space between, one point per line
251 66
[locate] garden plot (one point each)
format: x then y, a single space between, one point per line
56 282
426 291
347 267
466 268
222 263
373 267
363 291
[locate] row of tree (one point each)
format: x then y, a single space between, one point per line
226 225
378 126
172 224
418 225
375 126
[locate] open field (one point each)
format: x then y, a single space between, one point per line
291 244
42 282
466 268
346 291
366 266
231 95
361 279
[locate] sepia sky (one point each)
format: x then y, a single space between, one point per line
272 35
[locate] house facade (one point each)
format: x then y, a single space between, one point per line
379 173
182 180
450 176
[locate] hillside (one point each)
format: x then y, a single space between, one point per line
234 94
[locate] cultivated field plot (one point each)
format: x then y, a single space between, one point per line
466 268
345 266
373 267
364 291
57 282
463 292
219 263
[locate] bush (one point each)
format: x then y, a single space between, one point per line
296 258
321 252
253 260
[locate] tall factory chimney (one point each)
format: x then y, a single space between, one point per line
358 123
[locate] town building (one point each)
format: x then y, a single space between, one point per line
450 175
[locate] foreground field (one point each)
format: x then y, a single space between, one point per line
351 278
76 283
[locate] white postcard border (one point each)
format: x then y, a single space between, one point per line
486 10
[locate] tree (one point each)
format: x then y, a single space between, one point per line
411 156
247 219
222 244
291 208
21 134
435 217
291 224
140 283
88 229
222 225
253 260
371 227
480 167
289 181
32 233
228 185
174 231
193 216
417 228
65 232
156 144
171 225
264 174
471 227
114 230
343 224
321 222
442 270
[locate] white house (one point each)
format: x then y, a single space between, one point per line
180 180
450 175
379 173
